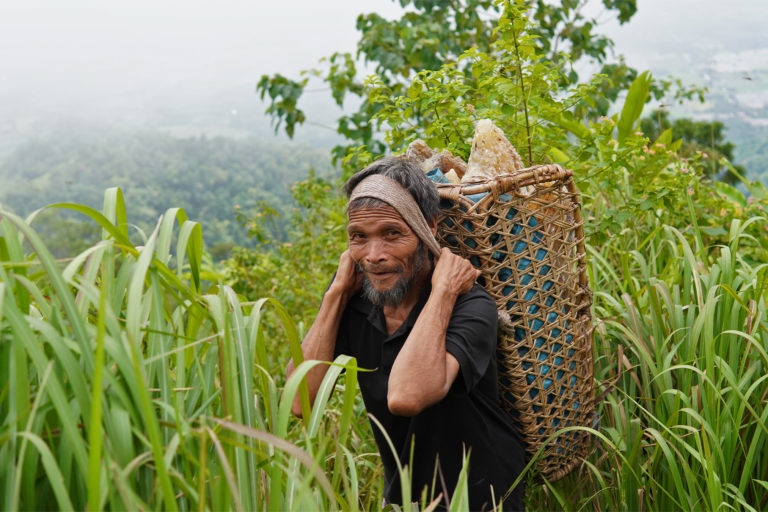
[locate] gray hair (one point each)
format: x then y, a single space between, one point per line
406 173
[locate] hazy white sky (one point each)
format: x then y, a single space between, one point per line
91 44
49 47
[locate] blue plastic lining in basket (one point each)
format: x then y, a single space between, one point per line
535 325
437 176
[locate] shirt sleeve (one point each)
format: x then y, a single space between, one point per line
471 335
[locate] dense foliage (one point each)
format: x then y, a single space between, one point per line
126 385
698 137
436 32
133 385
135 378
215 179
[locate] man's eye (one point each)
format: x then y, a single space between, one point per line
356 236
393 232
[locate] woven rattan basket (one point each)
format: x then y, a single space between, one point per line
524 232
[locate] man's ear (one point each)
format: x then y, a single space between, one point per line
433 226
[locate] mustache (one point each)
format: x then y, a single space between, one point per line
378 269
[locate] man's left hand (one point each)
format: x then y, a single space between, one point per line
453 274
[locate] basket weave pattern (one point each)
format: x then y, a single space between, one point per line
524 232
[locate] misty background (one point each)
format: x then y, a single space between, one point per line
145 62
186 67
84 77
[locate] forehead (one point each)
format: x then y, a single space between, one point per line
367 217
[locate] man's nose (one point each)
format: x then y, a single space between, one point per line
376 251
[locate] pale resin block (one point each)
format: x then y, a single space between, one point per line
492 154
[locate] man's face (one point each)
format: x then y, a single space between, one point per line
388 252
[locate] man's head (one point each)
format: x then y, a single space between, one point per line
391 227
407 174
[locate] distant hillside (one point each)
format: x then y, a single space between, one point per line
739 100
751 148
205 176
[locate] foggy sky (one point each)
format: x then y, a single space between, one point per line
91 46
95 49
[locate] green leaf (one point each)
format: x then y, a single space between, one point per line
191 239
633 105
732 193
114 208
567 121
714 230
665 137
55 478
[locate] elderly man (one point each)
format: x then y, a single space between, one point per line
413 314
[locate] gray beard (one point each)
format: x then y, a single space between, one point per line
391 297
394 296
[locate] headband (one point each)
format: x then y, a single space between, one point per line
394 194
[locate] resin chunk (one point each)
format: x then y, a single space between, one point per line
427 159
453 177
492 154
445 161
418 151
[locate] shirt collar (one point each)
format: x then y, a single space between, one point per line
375 314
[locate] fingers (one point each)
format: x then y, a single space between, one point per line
348 277
454 273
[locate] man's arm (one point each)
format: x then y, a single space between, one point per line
424 371
320 341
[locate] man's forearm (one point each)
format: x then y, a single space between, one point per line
320 342
423 371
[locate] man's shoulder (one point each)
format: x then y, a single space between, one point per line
478 297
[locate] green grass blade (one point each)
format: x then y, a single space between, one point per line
118 234
114 209
165 234
633 105
59 285
18 470
191 243
324 392
134 308
294 451
95 433
52 471
289 392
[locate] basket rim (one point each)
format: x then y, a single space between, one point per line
503 183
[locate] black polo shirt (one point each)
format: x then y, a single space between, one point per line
469 419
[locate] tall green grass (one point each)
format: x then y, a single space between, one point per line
682 357
129 381
126 386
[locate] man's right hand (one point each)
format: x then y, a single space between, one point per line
349 279
320 342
